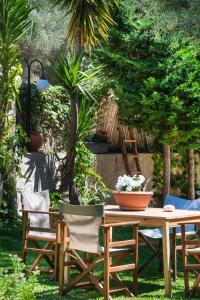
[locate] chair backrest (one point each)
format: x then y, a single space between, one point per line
181 203
37 202
83 224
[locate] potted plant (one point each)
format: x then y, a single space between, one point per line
130 194
98 142
36 141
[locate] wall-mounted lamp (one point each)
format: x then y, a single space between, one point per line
41 85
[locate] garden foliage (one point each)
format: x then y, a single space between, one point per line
48 114
46 37
156 82
15 284
13 24
171 18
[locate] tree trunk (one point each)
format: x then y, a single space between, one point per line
67 182
191 175
166 171
1 188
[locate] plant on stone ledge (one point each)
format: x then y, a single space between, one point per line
90 184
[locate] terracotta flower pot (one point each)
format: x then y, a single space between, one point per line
36 141
132 200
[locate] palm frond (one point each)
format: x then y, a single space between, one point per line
89 20
68 72
87 118
13 19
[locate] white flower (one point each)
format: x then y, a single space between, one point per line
128 183
17 81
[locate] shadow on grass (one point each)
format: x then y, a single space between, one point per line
151 283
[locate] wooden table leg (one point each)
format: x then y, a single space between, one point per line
63 271
166 259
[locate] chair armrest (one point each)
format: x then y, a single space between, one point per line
40 212
53 209
120 224
189 223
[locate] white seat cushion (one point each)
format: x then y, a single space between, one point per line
156 233
115 250
42 235
179 203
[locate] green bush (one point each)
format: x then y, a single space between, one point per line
55 197
15 284
89 183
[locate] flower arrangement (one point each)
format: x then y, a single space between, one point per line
130 183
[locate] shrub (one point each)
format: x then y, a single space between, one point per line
15 284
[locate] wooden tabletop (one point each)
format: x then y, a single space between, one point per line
151 213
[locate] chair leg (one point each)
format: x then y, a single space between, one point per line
121 284
86 271
55 262
174 254
156 253
186 282
24 236
135 260
195 286
160 260
39 257
63 247
146 263
48 260
24 253
106 265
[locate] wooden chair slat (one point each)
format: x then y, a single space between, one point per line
40 251
121 268
122 243
187 253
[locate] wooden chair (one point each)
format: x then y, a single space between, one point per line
37 228
83 223
191 261
150 235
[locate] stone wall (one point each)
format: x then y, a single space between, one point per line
40 171
110 166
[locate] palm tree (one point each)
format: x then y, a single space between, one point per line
13 24
89 21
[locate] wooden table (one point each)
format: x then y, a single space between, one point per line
155 217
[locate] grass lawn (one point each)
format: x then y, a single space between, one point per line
151 284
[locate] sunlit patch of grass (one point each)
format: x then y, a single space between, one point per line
151 284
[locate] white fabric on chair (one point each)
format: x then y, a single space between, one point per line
83 224
179 203
39 201
156 233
